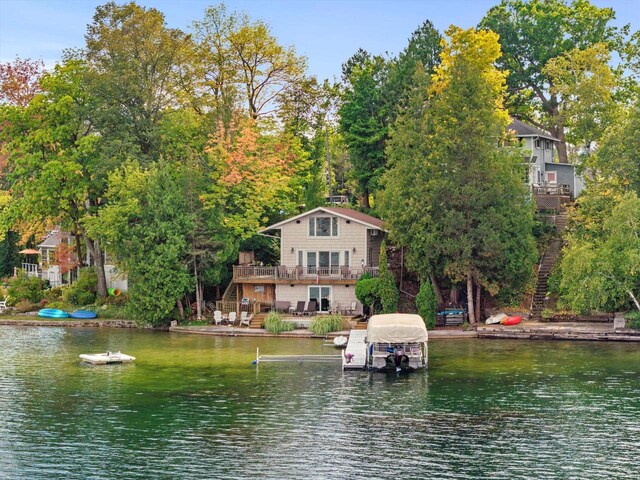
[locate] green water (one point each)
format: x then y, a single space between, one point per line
193 407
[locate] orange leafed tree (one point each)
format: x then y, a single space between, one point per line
20 81
252 173
65 258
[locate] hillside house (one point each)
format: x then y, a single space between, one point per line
552 184
323 252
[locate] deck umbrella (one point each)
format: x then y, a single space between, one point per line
29 251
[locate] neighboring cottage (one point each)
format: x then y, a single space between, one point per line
323 252
552 183
49 268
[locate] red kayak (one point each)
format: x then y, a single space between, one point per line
511 321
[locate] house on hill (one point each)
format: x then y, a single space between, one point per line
323 252
552 184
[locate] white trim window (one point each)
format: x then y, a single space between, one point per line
323 226
552 177
323 295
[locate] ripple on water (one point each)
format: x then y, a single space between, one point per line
194 407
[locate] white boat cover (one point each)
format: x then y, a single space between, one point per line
396 328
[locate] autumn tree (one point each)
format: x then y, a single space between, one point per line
532 33
20 81
240 58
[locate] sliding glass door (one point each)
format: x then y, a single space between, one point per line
322 295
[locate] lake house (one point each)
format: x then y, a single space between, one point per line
552 184
323 252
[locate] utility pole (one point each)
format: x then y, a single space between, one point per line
329 163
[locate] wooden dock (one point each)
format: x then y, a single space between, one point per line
355 355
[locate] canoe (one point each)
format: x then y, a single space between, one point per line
52 313
511 321
497 318
83 314
106 358
340 341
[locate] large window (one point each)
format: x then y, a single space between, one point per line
323 226
322 295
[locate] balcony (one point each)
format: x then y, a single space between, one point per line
301 275
551 196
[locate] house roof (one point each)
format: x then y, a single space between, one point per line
524 130
53 239
348 213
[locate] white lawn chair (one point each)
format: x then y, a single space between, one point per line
3 305
217 317
232 318
245 319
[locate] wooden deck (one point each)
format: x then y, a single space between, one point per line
358 348
301 275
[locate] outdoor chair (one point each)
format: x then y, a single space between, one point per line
351 309
232 318
282 306
312 308
299 309
3 305
217 317
245 319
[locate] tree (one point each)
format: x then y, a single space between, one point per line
145 224
20 81
585 86
531 34
387 289
454 192
240 57
604 273
363 120
427 304
9 256
136 63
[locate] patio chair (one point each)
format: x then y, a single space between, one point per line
217 317
351 309
232 318
245 319
3 304
299 308
312 308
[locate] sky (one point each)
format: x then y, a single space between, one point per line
327 32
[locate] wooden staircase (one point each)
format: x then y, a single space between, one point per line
256 321
539 301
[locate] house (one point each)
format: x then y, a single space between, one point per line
61 268
551 183
323 252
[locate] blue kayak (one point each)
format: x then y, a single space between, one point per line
83 314
52 313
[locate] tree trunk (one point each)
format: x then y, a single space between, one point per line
198 290
436 290
180 309
78 246
470 308
635 300
365 199
96 252
558 132
478 299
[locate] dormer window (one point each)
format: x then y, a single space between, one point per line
323 226
547 145
537 143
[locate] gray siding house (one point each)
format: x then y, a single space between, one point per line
550 182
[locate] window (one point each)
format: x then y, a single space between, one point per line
552 177
299 258
323 226
322 295
537 143
346 258
547 145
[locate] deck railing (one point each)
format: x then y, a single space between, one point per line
250 307
301 273
30 269
552 189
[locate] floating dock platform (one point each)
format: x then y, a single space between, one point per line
354 356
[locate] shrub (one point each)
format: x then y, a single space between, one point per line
24 306
274 324
60 305
83 291
113 311
386 290
367 292
633 319
53 295
324 324
427 304
27 288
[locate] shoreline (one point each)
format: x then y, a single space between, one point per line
576 331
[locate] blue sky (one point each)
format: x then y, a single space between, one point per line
327 32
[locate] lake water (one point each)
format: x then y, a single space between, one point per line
193 407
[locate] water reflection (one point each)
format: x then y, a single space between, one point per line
195 407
